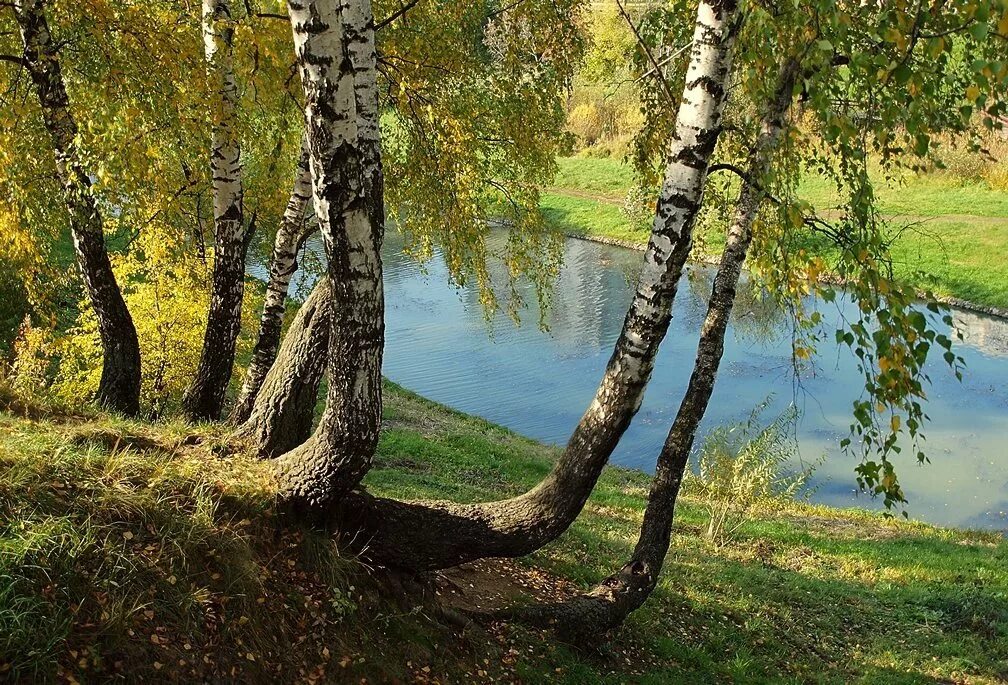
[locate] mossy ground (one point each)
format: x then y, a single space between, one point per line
154 552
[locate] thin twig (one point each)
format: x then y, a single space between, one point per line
647 51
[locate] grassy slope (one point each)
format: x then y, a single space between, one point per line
164 558
957 251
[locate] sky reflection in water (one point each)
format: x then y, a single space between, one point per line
539 383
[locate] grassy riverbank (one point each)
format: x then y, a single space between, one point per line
136 549
956 249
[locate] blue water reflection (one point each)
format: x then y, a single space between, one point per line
538 383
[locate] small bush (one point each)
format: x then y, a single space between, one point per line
638 207
59 366
745 466
984 161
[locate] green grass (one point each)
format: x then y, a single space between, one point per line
590 218
609 177
955 249
129 548
920 196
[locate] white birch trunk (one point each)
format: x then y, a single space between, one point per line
205 397
334 44
291 235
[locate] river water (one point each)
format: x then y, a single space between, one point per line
538 383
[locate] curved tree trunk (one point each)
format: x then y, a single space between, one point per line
290 237
205 397
281 417
334 43
608 605
119 388
426 536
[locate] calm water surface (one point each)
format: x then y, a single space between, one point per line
539 383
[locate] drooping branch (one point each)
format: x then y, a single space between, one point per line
424 536
403 9
656 68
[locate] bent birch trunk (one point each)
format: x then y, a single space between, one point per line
608 605
281 417
427 536
119 387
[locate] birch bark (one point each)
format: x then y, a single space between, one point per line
205 398
119 387
290 237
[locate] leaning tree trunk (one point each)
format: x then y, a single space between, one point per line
291 235
608 605
205 397
334 43
119 388
425 536
281 417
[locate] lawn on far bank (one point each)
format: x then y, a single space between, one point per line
956 249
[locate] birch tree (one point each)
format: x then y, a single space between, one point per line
295 229
205 398
810 65
335 48
119 388
611 601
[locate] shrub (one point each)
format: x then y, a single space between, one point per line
169 308
744 466
985 160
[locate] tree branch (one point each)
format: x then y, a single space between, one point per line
659 74
403 9
724 166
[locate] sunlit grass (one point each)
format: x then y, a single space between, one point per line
113 531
